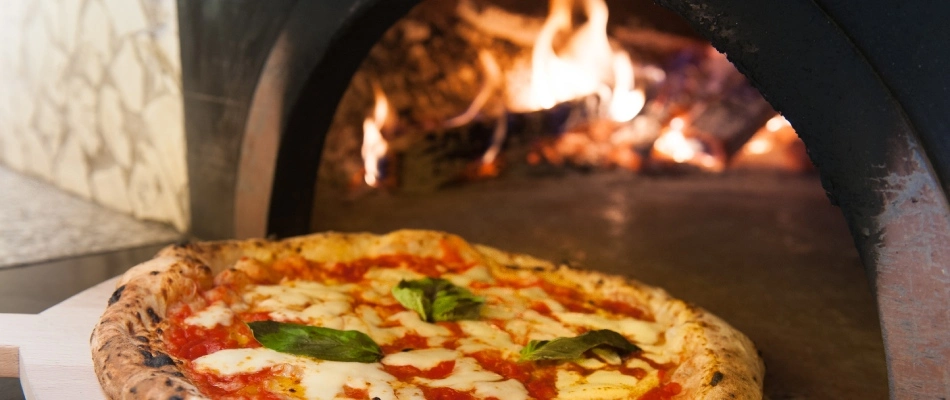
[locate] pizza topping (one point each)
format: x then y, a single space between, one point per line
318 379
640 331
321 343
473 355
437 299
421 359
572 348
216 314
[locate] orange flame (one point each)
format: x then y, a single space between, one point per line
374 144
586 65
676 146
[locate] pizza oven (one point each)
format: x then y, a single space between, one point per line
612 134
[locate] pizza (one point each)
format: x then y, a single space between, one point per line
407 315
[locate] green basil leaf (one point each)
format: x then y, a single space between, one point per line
437 300
448 307
412 295
317 342
572 348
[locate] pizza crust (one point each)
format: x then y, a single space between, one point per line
716 361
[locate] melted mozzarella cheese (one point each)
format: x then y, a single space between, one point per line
603 385
321 380
640 331
485 336
412 322
422 359
216 314
508 390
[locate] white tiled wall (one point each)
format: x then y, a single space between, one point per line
90 100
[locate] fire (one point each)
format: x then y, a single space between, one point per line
587 64
775 146
374 144
675 145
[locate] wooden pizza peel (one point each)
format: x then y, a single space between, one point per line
49 351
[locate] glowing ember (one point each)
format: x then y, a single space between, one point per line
676 146
775 146
587 64
374 144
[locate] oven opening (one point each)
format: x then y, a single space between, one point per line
606 135
468 90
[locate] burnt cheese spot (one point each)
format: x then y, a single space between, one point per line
156 360
716 378
176 398
116 295
168 382
154 273
151 314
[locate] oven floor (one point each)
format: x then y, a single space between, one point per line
769 254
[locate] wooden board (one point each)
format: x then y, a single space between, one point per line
50 352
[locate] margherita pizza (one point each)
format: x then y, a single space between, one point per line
408 315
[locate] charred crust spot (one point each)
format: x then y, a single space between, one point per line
133 390
158 331
376 398
153 273
178 374
716 378
142 339
538 269
292 390
156 360
151 314
168 382
176 397
116 295
204 268
512 267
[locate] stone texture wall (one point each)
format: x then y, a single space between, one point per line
90 100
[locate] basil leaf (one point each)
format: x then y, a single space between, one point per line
317 342
572 348
412 295
453 307
437 300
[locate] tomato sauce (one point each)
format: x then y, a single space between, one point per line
240 386
626 309
407 372
410 341
665 391
190 342
437 393
355 393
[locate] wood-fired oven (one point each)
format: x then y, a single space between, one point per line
864 86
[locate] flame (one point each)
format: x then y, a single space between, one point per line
374 144
585 65
492 80
675 145
626 101
765 140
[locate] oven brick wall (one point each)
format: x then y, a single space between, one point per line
91 101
